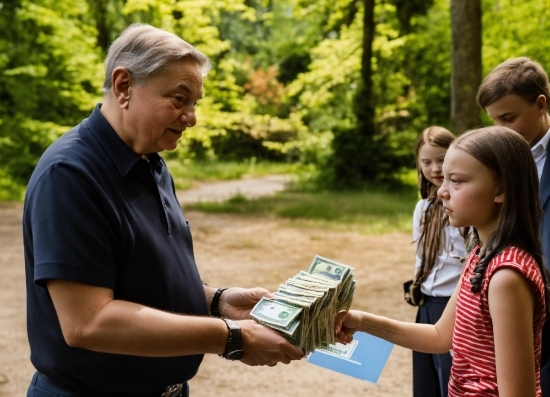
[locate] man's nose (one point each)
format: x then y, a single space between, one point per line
189 118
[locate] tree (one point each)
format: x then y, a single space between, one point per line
356 150
372 150
50 79
466 63
108 20
406 9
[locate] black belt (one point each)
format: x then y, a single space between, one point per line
40 380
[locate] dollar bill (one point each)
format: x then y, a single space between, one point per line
329 268
275 312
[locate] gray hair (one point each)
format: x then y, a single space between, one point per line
144 50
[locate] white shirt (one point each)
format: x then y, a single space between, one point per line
446 272
540 151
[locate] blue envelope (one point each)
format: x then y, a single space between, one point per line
364 358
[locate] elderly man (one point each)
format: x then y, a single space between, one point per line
116 306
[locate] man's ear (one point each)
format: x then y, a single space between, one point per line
541 104
121 82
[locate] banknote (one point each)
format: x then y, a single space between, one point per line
329 268
275 312
305 306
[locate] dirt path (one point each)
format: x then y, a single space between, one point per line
241 251
248 187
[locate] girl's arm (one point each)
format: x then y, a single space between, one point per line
427 338
511 304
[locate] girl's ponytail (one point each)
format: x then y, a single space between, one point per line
433 221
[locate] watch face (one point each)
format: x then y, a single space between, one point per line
235 355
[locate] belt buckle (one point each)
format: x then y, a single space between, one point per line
174 391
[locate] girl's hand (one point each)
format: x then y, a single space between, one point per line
346 324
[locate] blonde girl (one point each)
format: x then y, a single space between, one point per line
438 266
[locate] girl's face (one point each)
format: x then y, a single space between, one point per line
430 159
530 120
470 194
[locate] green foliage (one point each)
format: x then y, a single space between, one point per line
513 28
49 80
10 191
371 151
429 49
238 119
286 78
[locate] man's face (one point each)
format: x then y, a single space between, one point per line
161 108
516 113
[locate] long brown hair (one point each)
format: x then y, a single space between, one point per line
433 218
508 155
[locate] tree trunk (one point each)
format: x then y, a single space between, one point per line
466 64
100 13
365 110
357 152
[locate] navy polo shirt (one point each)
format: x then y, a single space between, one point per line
97 213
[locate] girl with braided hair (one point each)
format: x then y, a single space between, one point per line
494 319
438 266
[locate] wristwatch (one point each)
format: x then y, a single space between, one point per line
234 348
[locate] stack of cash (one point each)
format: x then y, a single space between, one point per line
305 306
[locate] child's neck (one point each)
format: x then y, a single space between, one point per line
484 237
546 123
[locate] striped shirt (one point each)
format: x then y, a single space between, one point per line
474 370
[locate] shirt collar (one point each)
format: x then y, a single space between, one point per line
120 154
542 144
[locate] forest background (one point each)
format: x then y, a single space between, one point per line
338 88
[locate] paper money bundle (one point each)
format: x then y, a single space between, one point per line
305 306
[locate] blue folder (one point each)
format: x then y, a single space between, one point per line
364 358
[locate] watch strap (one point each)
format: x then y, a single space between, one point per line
234 346
214 309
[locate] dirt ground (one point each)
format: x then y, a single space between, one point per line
241 251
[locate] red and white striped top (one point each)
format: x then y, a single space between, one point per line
474 371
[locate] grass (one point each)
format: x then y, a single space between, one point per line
185 174
9 190
372 211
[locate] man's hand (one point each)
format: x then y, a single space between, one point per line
265 346
236 303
